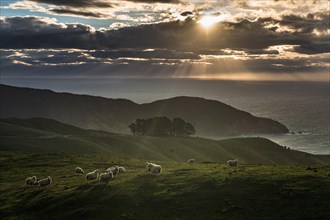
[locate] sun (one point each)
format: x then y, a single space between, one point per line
209 20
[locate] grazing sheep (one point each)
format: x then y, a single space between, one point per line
191 161
122 170
232 163
156 169
45 182
92 175
106 177
149 165
79 170
114 170
36 182
30 181
153 168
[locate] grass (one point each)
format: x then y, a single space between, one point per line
182 191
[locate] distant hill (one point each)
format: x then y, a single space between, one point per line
209 117
45 135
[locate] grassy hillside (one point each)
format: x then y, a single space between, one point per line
43 135
209 117
182 191
37 127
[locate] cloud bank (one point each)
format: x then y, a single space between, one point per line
165 39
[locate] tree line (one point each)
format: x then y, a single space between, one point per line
162 126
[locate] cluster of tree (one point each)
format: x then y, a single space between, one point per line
162 126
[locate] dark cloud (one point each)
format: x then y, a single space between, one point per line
34 32
261 51
186 13
77 3
236 51
100 64
313 48
96 3
302 24
148 54
74 7
80 13
155 1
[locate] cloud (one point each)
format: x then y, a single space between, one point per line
41 32
168 49
35 32
313 48
97 3
97 9
157 63
79 13
155 1
235 9
164 39
147 54
186 13
300 23
77 3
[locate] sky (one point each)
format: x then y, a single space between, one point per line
276 40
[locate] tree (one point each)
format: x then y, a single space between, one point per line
139 126
161 126
189 129
133 128
178 127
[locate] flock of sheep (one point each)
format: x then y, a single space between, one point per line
109 174
32 181
104 177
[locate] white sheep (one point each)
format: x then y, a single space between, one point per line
45 182
232 163
153 168
191 161
122 170
106 177
30 181
149 166
114 170
156 169
92 175
79 170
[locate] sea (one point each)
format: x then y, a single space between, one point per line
302 106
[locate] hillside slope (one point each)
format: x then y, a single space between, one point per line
23 135
209 117
181 191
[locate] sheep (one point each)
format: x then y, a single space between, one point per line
114 170
232 163
45 182
106 177
153 168
36 182
148 166
92 175
122 170
79 170
30 181
191 161
156 169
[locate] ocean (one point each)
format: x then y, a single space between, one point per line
302 106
